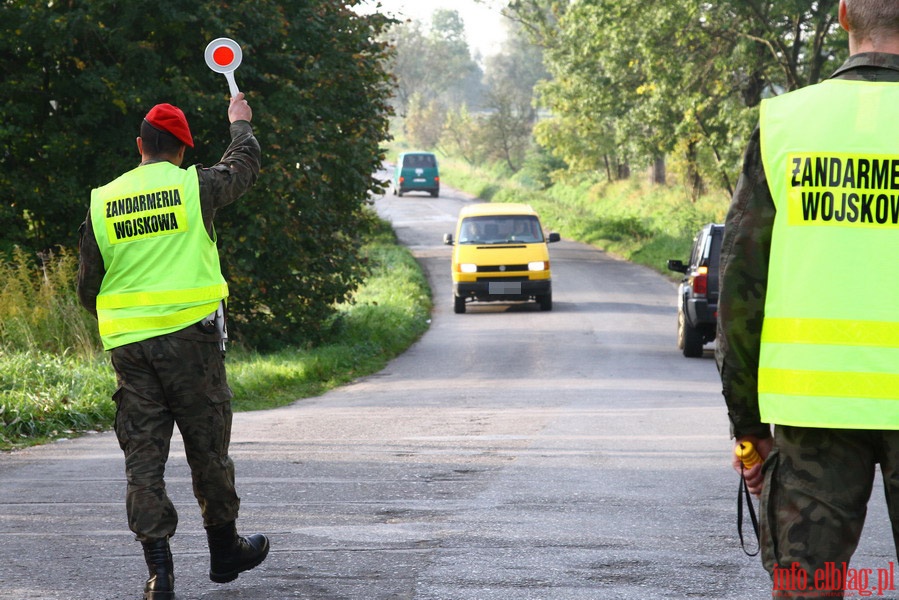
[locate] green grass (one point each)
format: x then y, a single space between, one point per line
48 394
45 396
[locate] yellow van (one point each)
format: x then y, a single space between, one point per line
500 255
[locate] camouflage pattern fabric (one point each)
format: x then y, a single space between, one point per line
162 382
817 486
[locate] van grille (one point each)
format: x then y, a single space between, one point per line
502 278
501 268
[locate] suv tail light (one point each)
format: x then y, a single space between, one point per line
701 281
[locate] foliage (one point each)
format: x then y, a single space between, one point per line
539 169
510 113
433 63
48 395
44 395
79 75
39 309
462 135
440 90
633 81
424 123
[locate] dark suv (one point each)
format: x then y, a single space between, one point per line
697 294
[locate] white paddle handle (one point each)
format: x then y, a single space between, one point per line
232 85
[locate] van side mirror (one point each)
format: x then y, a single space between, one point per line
554 237
448 239
676 265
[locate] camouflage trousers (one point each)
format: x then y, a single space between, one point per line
813 506
162 382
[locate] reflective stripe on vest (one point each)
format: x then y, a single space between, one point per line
830 339
164 297
162 267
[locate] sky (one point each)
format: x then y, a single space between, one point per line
484 25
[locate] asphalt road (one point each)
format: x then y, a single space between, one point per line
510 454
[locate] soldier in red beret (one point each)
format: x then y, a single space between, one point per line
150 273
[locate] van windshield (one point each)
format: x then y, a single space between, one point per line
500 229
425 161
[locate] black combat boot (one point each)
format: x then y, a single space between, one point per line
231 554
161 584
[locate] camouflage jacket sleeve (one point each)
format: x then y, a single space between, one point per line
233 175
741 304
90 267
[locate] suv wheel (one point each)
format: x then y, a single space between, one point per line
689 340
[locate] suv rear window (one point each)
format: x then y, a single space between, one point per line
500 229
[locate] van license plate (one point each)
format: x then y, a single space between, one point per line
419 180
504 287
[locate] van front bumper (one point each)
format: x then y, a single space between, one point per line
502 289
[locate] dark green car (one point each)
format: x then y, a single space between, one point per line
416 172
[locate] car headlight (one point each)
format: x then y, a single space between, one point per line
468 268
539 265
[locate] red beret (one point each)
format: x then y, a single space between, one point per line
170 118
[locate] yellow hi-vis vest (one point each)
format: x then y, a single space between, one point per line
162 267
830 340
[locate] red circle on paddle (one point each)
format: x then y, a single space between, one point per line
223 56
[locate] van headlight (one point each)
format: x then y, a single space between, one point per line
539 265
468 268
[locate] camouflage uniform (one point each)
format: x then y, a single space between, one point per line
177 378
817 481
164 381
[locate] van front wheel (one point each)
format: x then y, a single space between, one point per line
458 304
546 301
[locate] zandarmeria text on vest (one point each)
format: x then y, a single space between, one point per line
847 189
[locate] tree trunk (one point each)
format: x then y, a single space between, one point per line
694 177
658 171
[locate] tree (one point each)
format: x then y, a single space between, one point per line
424 122
645 80
462 136
434 64
79 76
510 78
